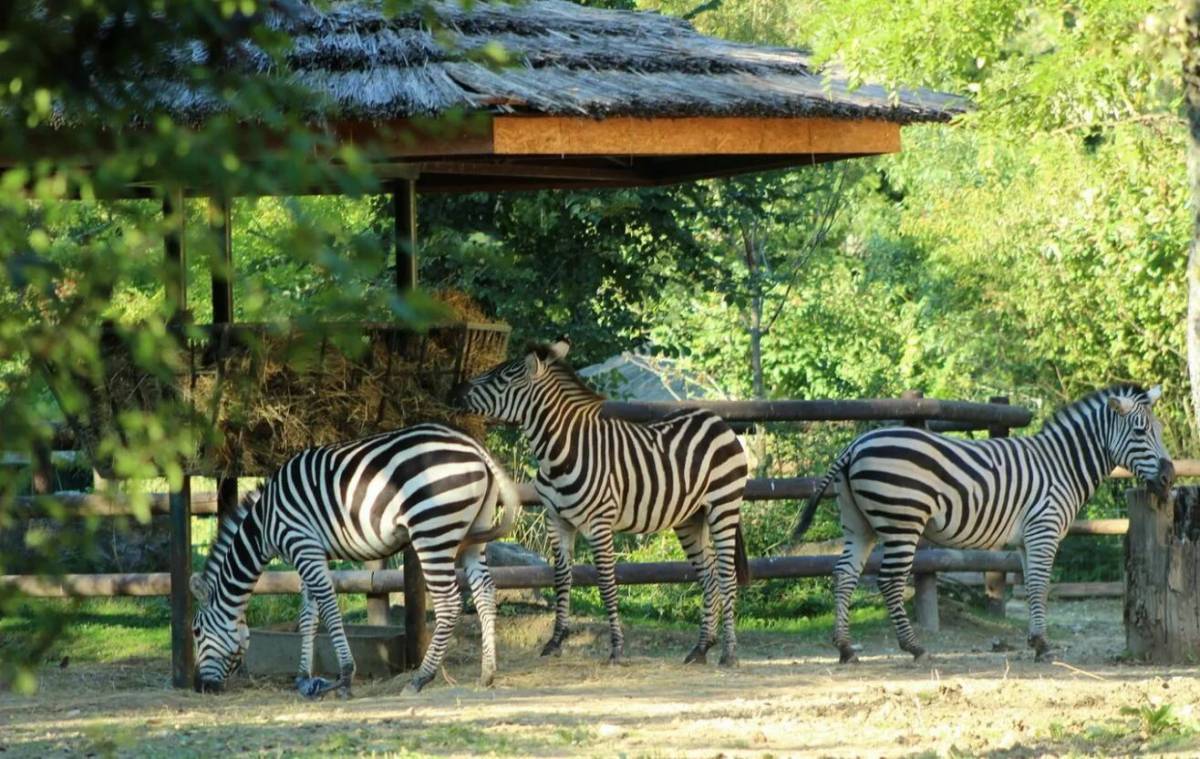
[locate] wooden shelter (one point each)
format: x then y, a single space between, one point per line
542 94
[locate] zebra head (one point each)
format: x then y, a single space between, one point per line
1135 439
503 392
221 639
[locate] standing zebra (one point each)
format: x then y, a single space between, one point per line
898 485
428 485
601 476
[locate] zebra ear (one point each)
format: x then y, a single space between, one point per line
533 364
559 348
200 588
1154 394
1120 404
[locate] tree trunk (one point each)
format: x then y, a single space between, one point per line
756 369
1162 570
1191 82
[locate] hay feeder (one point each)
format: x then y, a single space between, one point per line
254 394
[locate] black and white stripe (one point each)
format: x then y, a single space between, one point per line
600 476
427 485
896 486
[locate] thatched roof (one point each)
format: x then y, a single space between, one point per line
565 59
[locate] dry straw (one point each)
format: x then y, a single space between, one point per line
262 393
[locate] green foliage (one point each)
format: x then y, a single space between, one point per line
72 256
1155 721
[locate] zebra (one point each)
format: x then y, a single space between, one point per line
600 476
899 484
428 486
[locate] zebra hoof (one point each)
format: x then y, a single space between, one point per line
729 660
616 659
414 686
697 655
921 656
1041 649
553 648
848 654
486 679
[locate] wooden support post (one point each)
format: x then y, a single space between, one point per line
416 632
182 655
994 582
404 208
175 259
222 272
1162 572
222 313
913 395
42 470
378 604
926 601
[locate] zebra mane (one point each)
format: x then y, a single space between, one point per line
228 529
1118 389
563 371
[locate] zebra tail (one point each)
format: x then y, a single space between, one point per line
741 565
510 500
810 509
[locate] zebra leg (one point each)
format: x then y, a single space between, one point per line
693 536
562 540
308 634
606 577
893 574
314 574
1037 561
440 578
483 590
722 525
858 540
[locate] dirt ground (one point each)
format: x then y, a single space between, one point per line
788 698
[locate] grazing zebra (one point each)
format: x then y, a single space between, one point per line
428 485
897 485
601 476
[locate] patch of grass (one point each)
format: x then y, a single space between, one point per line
117 629
1155 720
94 629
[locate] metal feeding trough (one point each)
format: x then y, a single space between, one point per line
378 651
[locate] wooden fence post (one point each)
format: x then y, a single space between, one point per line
925 602
182 654
416 632
994 583
1162 570
379 605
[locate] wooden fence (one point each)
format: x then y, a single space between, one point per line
995 418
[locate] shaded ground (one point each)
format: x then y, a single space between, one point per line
787 698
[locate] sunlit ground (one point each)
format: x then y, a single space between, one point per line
788 697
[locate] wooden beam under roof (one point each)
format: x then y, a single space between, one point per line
492 153
709 135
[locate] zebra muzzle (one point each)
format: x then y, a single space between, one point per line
1161 484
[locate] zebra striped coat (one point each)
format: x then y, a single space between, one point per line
898 485
600 476
428 485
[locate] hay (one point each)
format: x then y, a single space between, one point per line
260 394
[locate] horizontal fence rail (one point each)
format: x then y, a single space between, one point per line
542 576
871 409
